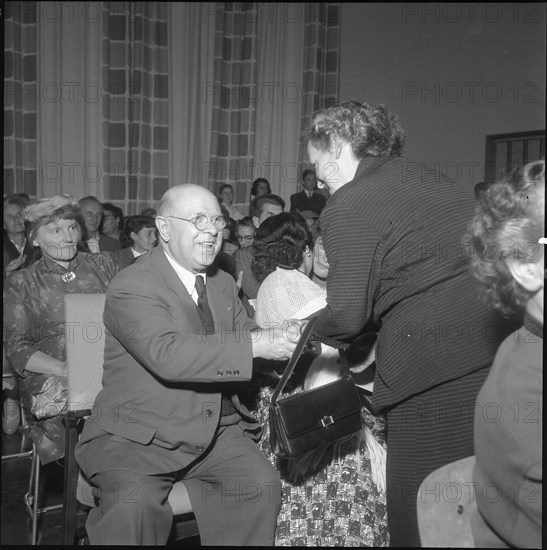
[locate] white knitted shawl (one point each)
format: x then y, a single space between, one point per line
283 294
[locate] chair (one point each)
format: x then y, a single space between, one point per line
85 335
445 505
31 497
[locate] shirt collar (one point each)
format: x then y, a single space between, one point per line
187 278
137 254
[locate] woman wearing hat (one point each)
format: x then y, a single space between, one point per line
34 314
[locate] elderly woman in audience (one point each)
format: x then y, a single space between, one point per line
225 198
330 497
34 315
139 236
508 258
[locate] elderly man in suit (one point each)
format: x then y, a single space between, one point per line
178 345
91 210
309 202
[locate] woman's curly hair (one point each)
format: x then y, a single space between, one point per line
507 225
372 130
280 241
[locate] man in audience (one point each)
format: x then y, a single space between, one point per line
245 231
262 208
168 405
309 203
91 210
17 251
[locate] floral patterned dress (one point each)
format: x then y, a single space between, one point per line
34 321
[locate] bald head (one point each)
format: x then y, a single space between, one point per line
177 198
192 248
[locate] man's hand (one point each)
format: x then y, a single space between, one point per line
239 281
277 343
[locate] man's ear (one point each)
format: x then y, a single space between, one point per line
161 224
529 275
256 221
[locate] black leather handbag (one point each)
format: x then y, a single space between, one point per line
311 419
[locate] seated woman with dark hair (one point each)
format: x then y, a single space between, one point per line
34 328
139 236
261 186
112 222
508 258
335 496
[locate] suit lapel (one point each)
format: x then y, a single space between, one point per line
165 271
220 300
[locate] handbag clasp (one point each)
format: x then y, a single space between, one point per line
327 421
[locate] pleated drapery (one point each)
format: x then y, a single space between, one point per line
122 100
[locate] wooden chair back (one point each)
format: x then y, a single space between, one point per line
445 505
85 339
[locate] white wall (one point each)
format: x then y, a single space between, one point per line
454 73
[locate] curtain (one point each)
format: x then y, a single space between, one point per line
134 97
21 96
322 61
191 86
135 104
69 138
234 111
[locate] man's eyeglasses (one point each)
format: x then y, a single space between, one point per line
245 238
202 221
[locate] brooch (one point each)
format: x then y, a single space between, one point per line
68 276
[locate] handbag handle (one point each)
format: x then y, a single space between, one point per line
294 359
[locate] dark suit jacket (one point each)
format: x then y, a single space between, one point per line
396 265
300 202
106 244
162 378
244 259
123 257
10 253
508 444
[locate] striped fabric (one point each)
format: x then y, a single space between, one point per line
396 265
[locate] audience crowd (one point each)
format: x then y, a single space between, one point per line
220 299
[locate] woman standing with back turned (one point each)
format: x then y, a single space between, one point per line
391 233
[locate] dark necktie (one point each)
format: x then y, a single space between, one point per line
203 307
227 407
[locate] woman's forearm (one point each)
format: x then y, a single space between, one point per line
41 363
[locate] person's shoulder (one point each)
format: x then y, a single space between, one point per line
109 243
244 254
20 276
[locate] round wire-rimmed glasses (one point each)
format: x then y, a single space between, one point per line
202 221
